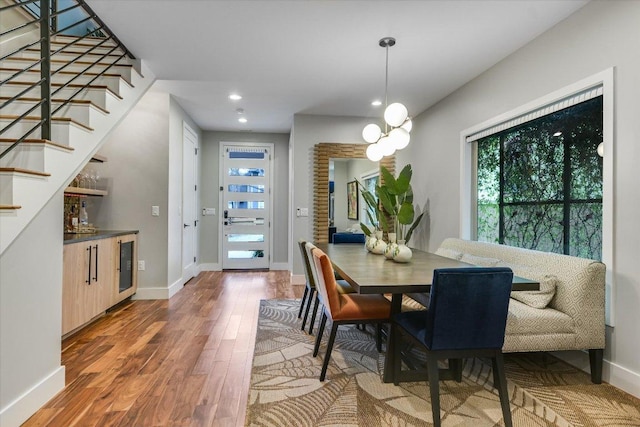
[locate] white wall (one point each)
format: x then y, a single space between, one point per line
209 193
30 316
136 175
307 131
599 36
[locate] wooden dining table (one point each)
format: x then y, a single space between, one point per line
369 273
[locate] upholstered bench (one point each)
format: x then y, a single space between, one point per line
348 238
567 313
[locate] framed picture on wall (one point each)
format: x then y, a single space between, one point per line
352 200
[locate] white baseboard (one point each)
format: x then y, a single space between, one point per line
298 279
279 266
176 287
210 267
18 411
612 373
159 293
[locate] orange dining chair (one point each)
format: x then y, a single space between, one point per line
310 287
344 309
466 317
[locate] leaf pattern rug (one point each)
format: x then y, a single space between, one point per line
285 390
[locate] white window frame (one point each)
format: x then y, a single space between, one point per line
468 169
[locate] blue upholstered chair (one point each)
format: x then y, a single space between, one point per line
466 317
348 238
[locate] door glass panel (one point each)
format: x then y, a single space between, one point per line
256 204
244 188
246 237
245 221
246 172
246 155
246 254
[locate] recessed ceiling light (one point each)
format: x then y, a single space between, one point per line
240 110
235 97
242 120
376 103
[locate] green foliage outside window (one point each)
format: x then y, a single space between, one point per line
540 184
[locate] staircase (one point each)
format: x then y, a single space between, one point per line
98 85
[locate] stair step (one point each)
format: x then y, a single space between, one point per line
9 207
116 83
56 102
14 88
62 129
33 75
24 172
71 52
62 40
32 154
126 71
53 119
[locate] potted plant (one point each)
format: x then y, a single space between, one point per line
376 215
396 199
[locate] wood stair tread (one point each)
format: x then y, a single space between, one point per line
59 101
62 61
25 171
72 85
70 73
53 119
37 141
9 207
77 52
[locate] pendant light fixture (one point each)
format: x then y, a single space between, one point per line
397 121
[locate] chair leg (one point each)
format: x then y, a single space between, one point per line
434 389
327 356
313 314
397 361
323 322
304 298
501 384
306 312
379 337
455 366
595 361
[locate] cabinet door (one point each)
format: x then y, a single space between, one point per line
126 271
87 281
76 289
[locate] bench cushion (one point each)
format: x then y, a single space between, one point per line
523 319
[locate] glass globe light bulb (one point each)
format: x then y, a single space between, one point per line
400 138
371 133
408 125
395 114
386 146
600 149
374 153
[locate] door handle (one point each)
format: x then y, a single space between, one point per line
226 214
186 225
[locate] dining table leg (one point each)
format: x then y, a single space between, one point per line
389 360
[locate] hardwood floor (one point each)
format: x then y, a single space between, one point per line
179 362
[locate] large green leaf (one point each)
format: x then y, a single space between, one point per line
365 229
402 183
406 213
413 227
388 200
389 181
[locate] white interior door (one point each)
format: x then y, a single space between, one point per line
246 206
189 200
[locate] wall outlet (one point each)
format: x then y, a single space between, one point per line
141 266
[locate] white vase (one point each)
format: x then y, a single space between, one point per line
380 245
402 252
391 246
370 242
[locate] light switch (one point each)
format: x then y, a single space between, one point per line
208 211
155 210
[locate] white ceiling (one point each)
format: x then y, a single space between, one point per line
319 57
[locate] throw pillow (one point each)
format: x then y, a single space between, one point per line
449 253
478 260
541 298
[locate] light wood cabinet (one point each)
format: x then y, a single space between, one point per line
92 273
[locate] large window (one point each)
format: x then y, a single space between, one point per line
539 184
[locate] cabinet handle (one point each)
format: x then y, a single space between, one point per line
89 275
96 270
119 255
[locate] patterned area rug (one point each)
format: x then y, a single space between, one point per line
285 390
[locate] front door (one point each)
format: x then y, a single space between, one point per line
246 206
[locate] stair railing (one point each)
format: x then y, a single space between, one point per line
82 23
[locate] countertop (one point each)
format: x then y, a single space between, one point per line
99 234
